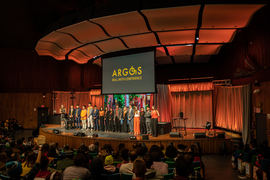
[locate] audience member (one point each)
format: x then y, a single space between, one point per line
78 171
124 157
3 160
91 148
66 148
139 169
171 152
181 149
151 173
162 149
182 169
157 164
45 149
15 157
67 161
43 167
96 146
118 153
109 168
128 167
13 147
96 169
29 162
155 148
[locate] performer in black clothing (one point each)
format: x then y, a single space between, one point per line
125 118
143 122
106 114
111 121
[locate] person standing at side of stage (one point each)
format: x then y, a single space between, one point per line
84 117
131 119
117 118
101 118
95 115
125 119
89 116
71 115
106 119
148 121
110 118
154 118
136 121
78 117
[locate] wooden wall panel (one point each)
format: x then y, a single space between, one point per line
21 107
75 142
263 98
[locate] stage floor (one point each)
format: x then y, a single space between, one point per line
122 135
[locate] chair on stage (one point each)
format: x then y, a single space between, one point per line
126 176
68 121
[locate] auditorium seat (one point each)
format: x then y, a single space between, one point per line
168 176
265 164
170 164
126 176
249 167
115 163
115 176
2 177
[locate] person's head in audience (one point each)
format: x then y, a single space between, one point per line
124 154
241 145
28 149
45 148
83 150
141 152
171 152
91 148
253 144
120 146
79 160
30 159
155 148
14 169
148 161
15 157
44 163
108 160
181 167
96 144
52 151
69 154
13 144
139 168
155 156
52 144
181 147
132 156
83 106
194 150
89 104
161 147
143 145
66 147
30 139
135 145
96 167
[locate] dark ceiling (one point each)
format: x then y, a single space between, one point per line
25 22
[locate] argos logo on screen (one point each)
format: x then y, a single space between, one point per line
127 74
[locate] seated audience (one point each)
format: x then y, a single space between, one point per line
3 160
43 167
124 157
13 147
156 148
14 169
28 163
66 148
96 169
162 149
128 167
118 153
181 149
96 147
139 169
109 168
78 171
85 151
15 157
91 148
45 149
67 161
150 174
8 152
171 153
182 169
157 164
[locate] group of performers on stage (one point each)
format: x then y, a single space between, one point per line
140 122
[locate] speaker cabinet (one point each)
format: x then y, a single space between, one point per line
81 134
175 134
199 135
95 135
75 134
132 138
56 131
145 137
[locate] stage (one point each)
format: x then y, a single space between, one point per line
209 146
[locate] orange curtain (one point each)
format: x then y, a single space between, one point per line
196 106
96 98
162 101
229 107
188 87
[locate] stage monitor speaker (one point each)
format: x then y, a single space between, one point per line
175 134
81 134
42 126
220 134
199 135
75 134
145 137
132 138
56 131
95 135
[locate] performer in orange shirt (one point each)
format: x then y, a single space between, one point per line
83 117
136 121
154 119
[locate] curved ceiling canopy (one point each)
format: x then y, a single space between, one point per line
186 34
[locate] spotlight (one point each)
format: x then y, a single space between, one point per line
197 38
